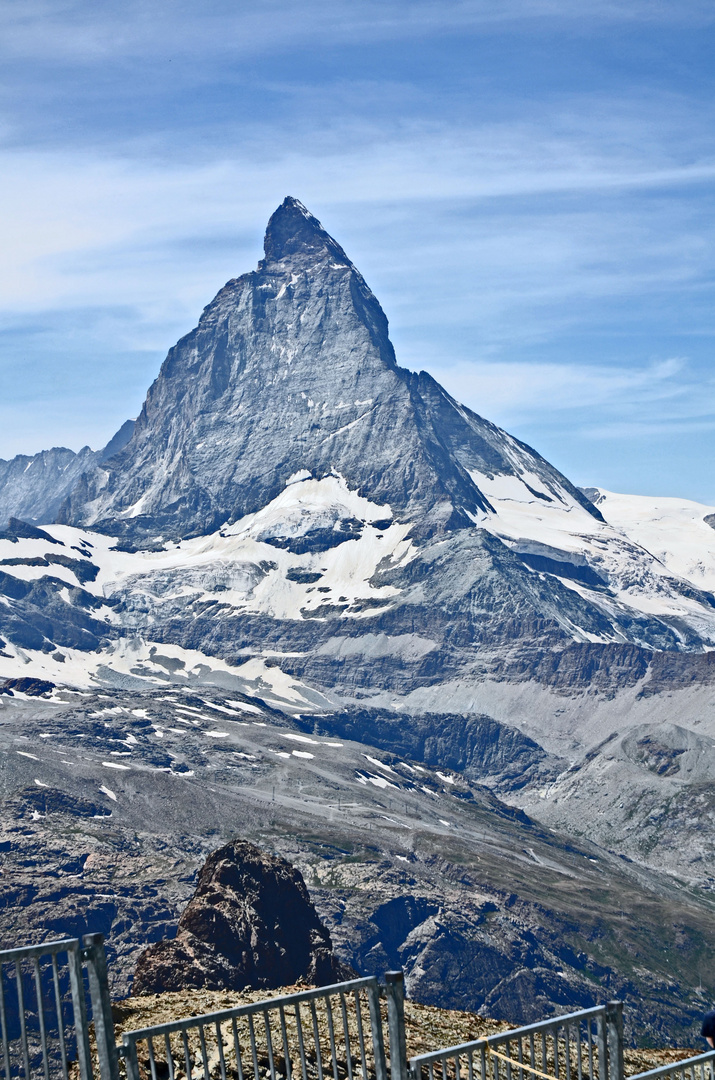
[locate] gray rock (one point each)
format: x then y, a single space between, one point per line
291 368
34 487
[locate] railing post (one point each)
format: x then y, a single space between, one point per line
95 958
614 1028
131 1059
395 993
79 1009
378 1041
602 1044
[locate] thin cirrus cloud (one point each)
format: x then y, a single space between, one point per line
69 205
86 33
509 390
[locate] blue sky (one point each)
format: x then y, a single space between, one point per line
526 185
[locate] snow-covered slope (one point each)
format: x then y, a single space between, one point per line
678 532
312 552
644 556
322 570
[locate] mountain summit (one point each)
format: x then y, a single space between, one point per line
366 567
292 230
291 370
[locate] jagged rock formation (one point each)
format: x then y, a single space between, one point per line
34 487
250 923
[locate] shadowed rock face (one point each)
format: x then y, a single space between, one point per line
250 923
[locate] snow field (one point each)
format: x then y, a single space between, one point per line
648 551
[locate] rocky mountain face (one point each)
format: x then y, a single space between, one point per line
34 487
249 925
112 800
284 420
323 550
291 371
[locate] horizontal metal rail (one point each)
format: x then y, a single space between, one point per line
329 1033
513 1033
184 1024
32 952
693 1068
569 1047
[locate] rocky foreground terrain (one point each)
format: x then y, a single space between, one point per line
112 800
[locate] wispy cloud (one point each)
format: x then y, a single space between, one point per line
526 185
66 208
87 33
664 394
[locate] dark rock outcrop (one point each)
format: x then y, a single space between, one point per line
478 746
250 923
48 800
29 686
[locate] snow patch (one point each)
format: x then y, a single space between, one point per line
296 477
380 764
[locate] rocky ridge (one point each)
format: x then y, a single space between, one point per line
34 487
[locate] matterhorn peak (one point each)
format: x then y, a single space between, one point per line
293 230
291 372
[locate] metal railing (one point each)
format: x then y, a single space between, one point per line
584 1045
48 994
701 1067
331 1032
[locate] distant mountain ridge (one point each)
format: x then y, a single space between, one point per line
33 487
